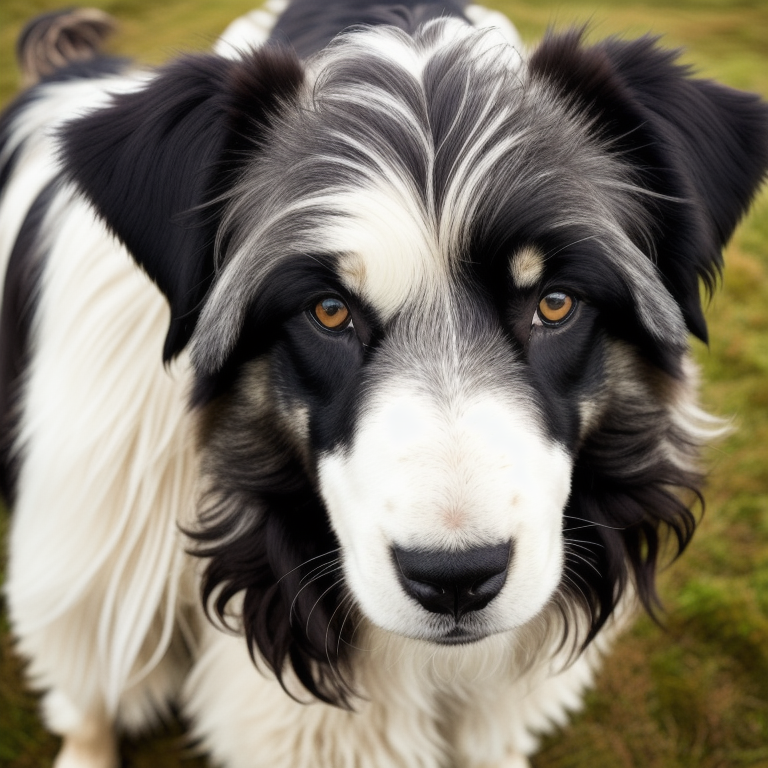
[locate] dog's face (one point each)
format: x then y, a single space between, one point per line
441 349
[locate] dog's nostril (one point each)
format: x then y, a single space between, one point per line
455 582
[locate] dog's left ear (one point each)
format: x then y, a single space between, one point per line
699 148
155 162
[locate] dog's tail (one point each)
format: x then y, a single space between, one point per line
54 40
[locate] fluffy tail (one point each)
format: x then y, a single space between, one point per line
54 40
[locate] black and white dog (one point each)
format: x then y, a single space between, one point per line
400 383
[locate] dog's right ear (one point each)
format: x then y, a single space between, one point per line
154 162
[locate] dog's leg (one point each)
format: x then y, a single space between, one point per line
511 761
96 749
88 739
94 746
514 761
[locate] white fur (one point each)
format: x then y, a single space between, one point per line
482 17
39 121
423 706
249 31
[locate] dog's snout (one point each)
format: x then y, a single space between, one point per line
453 582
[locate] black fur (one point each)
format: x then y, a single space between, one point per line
20 296
630 506
155 162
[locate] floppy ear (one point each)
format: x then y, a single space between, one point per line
154 162
700 148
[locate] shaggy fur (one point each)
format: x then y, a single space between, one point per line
399 393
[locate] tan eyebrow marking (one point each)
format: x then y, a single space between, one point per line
526 266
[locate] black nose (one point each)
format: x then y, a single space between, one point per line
454 582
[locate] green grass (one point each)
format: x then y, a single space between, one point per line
695 693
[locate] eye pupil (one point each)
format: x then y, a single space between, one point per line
331 313
331 306
555 307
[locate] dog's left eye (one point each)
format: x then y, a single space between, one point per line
554 309
332 314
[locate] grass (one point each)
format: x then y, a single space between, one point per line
695 693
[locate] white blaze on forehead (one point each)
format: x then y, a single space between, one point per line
390 253
527 266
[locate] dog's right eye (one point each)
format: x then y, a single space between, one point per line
554 309
332 314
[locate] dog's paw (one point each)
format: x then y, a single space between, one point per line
515 761
512 761
88 753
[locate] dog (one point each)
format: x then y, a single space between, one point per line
346 390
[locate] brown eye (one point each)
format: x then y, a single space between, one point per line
332 313
555 307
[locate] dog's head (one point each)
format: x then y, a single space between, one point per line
437 305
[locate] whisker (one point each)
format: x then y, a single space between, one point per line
584 560
323 594
333 667
331 569
343 622
581 544
302 564
431 662
592 522
335 562
550 254
354 632
566 575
